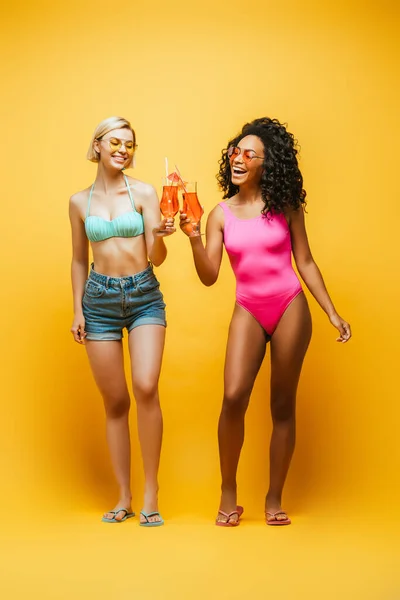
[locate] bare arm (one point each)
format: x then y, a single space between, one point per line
310 273
79 268
155 231
207 259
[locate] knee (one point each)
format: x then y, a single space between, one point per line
235 401
283 405
117 406
145 391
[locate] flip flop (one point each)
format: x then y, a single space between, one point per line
148 523
273 521
128 515
239 511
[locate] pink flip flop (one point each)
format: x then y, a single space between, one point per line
239 511
273 521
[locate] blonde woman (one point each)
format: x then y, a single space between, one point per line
120 217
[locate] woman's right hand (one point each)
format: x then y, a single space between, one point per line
188 227
78 328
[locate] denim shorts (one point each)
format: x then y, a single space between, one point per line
112 303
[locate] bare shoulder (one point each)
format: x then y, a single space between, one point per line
144 194
294 215
216 217
79 200
141 188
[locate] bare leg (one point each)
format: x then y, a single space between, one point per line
289 344
244 356
146 344
106 361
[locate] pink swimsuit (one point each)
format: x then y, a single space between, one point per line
260 252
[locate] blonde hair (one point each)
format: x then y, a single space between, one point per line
105 127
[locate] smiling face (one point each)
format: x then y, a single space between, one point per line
246 161
116 148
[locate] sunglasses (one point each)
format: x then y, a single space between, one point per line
116 145
247 155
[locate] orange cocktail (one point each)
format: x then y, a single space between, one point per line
169 204
191 205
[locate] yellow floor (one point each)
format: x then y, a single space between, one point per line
319 557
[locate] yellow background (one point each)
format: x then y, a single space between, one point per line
188 77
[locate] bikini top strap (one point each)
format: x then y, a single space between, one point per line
129 192
89 200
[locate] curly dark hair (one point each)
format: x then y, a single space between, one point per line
281 182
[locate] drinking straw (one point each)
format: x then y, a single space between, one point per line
166 167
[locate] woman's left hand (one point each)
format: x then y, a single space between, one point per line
164 228
342 326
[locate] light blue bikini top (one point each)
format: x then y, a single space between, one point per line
129 224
